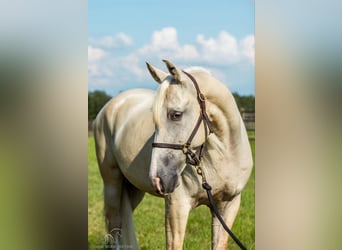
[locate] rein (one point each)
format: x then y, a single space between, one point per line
194 160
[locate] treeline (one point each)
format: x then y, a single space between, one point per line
245 103
97 99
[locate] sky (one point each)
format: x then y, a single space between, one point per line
124 34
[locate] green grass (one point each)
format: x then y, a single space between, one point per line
149 216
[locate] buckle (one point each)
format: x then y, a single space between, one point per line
185 147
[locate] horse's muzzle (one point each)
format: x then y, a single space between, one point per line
166 184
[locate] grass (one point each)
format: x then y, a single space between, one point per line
149 216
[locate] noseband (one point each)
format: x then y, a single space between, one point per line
191 157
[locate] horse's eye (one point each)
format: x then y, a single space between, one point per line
175 115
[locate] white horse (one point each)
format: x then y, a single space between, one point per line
127 126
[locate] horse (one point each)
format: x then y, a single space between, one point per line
147 141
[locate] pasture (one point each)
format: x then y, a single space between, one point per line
149 216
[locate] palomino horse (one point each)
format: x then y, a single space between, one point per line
190 112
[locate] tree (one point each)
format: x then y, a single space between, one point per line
96 100
245 103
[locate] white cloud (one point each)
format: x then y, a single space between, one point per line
164 44
118 72
165 39
120 40
131 64
188 52
248 48
95 54
218 53
93 70
221 50
125 39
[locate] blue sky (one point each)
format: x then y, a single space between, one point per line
122 35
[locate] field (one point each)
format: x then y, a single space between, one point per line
149 216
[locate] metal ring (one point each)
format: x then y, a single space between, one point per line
185 148
199 170
116 230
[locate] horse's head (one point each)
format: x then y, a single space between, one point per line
176 112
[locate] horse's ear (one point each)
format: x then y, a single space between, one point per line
174 71
157 74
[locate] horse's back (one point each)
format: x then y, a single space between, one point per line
124 129
121 104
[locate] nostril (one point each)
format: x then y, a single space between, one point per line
162 188
166 161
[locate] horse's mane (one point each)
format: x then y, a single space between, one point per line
159 100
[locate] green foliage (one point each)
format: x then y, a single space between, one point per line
96 100
149 215
245 103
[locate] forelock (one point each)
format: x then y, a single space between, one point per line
159 101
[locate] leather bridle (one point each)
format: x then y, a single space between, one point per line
191 157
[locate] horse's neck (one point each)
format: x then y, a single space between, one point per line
227 155
227 145
223 112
